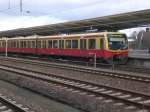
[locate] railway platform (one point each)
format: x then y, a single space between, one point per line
139 57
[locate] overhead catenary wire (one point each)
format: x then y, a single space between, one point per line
10 7
20 5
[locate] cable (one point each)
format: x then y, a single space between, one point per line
64 11
9 8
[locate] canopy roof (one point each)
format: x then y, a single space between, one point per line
109 23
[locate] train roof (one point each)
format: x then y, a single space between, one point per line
62 36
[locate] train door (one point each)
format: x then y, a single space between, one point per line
61 47
83 47
102 46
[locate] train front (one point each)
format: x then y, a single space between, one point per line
117 48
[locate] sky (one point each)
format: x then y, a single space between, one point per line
43 12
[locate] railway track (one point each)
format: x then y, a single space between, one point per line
103 72
129 99
135 69
9 105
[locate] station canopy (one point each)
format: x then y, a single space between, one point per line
109 23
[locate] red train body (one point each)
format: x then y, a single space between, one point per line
99 44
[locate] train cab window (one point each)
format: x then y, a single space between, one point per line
55 44
50 44
101 43
33 45
39 44
82 44
44 43
91 43
68 44
74 44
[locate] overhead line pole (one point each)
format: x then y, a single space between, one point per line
20 5
9 4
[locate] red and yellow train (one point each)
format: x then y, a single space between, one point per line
106 46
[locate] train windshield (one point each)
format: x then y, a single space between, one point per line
117 42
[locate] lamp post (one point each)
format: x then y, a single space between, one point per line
94 54
6 48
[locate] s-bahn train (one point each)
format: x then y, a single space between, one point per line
105 46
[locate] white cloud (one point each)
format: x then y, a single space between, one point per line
24 21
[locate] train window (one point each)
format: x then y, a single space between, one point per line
4 44
55 44
61 44
33 44
82 43
91 43
68 44
74 44
44 43
101 43
29 44
24 44
39 44
8 44
17 44
12 44
21 44
50 44
1 44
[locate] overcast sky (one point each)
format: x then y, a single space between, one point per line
42 12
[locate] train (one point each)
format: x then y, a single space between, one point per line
104 46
